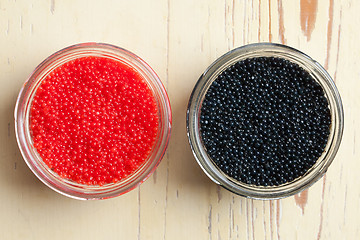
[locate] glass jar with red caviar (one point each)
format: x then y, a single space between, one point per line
93 121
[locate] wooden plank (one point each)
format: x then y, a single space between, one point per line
179 39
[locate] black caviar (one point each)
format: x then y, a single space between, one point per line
265 121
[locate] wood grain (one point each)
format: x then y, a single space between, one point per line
179 39
308 12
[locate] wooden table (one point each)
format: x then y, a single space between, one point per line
179 39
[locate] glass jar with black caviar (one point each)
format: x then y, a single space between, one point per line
265 121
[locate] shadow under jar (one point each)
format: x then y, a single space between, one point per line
93 121
265 121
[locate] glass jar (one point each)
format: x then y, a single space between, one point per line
22 124
265 50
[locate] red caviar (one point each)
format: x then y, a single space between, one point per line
94 120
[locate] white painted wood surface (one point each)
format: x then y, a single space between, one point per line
179 39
